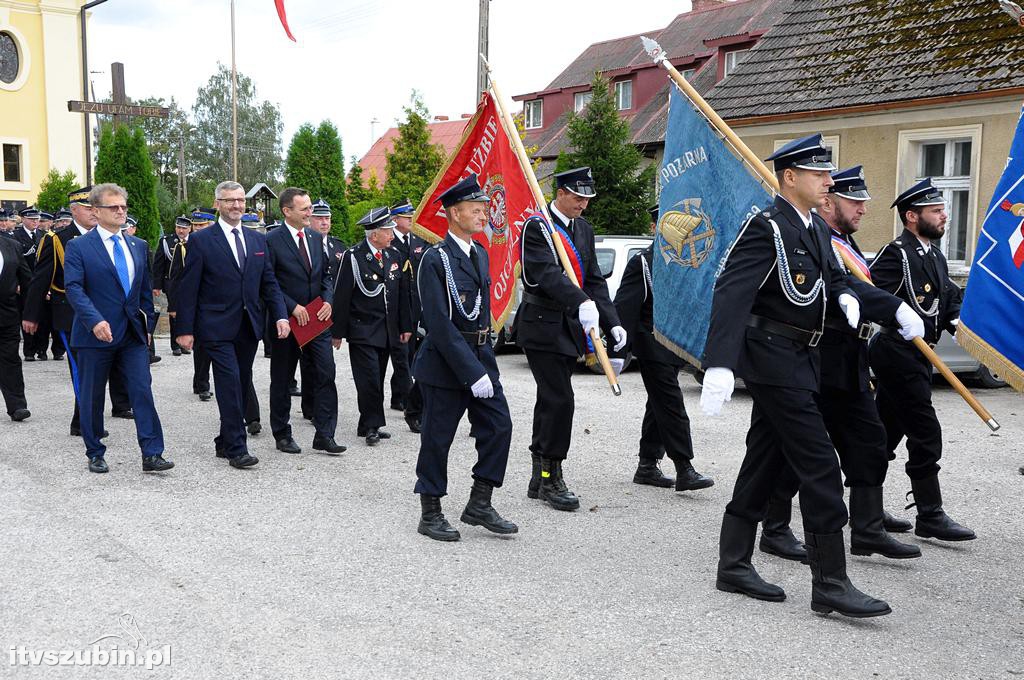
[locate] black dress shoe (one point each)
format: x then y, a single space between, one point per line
186 351
254 428
288 445
205 396
688 479
176 352
77 432
397 405
648 473
156 464
154 359
30 358
243 461
372 438
98 465
58 357
294 392
414 424
127 414
20 415
327 444
41 357
383 435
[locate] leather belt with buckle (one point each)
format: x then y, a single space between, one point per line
863 331
804 337
478 338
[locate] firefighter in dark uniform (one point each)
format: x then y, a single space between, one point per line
371 310
766 321
457 370
28 237
912 268
161 265
46 295
551 324
666 427
412 248
845 400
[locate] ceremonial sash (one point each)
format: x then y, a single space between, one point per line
58 256
852 256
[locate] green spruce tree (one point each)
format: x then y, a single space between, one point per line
54 190
600 139
124 159
415 160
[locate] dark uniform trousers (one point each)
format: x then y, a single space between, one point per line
12 381
556 403
666 427
319 383
414 399
369 366
752 308
401 378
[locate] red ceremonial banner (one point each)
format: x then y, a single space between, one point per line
486 150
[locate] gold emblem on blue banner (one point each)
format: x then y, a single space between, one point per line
687 235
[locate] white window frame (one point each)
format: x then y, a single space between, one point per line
528 121
26 168
24 57
908 167
732 60
688 73
581 99
620 87
831 142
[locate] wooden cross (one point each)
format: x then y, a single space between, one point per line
119 108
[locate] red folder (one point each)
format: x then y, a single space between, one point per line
303 334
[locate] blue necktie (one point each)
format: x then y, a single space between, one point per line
121 264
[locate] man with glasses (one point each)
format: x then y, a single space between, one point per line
114 320
225 289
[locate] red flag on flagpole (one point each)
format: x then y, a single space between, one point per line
486 150
284 19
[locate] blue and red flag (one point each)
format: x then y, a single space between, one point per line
992 317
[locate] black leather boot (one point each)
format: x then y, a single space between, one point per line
776 536
534 488
867 531
479 511
688 479
932 521
432 521
895 525
553 488
648 472
735 572
831 590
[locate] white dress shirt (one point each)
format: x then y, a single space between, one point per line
108 243
300 243
806 219
82 231
558 213
226 229
462 244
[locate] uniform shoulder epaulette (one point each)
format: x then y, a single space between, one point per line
437 246
765 213
898 242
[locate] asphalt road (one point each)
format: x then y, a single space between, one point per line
309 566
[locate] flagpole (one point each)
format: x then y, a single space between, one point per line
658 56
524 163
234 101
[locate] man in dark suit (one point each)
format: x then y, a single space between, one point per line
371 310
412 248
14 278
914 269
106 274
552 326
46 296
457 370
162 264
766 321
666 426
302 272
222 297
29 236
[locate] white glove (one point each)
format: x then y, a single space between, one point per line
617 364
851 308
911 325
483 388
718 386
955 323
619 333
589 316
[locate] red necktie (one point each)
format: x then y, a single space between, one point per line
302 252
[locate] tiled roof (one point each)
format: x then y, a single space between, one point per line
447 133
683 37
827 54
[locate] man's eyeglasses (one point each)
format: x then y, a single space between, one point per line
115 208
231 200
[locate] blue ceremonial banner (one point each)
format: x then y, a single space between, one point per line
992 317
707 195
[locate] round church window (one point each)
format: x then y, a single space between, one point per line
9 61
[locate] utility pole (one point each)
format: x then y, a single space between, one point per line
234 101
85 85
481 72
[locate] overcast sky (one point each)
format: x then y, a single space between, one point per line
354 60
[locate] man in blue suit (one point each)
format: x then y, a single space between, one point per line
106 276
222 299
